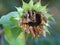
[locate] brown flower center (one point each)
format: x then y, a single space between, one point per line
37 21
33 18
31 23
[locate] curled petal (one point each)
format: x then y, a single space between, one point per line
24 20
43 20
36 32
25 26
44 33
19 22
32 31
39 28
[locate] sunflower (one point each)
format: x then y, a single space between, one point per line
33 18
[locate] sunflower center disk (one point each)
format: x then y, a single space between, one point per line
32 18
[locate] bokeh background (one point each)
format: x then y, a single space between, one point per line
7 6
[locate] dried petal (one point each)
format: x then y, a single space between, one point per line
25 26
32 31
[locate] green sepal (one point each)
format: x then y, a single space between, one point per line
48 15
37 6
30 4
25 6
20 11
44 9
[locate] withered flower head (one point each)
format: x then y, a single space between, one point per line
33 18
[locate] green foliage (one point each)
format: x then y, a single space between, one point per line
11 29
8 34
16 31
5 20
20 40
17 42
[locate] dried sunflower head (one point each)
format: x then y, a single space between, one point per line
33 18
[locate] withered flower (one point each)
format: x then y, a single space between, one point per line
33 18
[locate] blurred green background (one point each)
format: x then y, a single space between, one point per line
7 6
